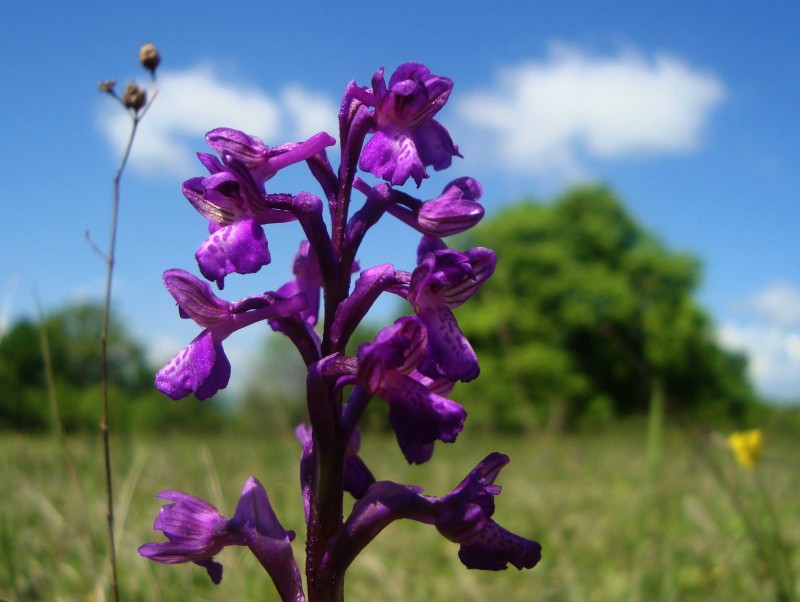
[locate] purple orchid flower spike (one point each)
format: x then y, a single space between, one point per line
197 531
443 280
412 364
418 416
463 516
407 139
202 368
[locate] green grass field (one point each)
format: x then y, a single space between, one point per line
694 526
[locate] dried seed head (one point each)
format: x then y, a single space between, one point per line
107 85
134 96
149 57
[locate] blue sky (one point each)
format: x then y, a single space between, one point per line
688 110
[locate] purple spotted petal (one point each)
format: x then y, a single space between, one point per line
396 349
464 516
392 155
494 548
201 368
449 277
449 349
240 247
419 418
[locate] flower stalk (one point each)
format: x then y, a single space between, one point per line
136 104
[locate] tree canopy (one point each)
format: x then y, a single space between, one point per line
588 314
73 339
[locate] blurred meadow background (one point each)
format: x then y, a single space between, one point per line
639 342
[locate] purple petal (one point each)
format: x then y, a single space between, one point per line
196 299
308 281
195 192
420 418
213 568
196 532
482 262
494 548
449 277
240 247
357 476
263 161
250 150
455 211
448 348
396 348
434 145
270 543
391 154
414 95
201 368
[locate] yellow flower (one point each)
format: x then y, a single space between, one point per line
746 446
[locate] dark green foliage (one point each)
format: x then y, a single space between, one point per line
587 314
73 337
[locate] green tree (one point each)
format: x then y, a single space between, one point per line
590 315
73 337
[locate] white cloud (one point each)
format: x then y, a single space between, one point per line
309 113
769 333
196 100
542 117
778 304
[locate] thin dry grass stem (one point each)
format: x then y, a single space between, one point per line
127 490
136 116
213 476
52 398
